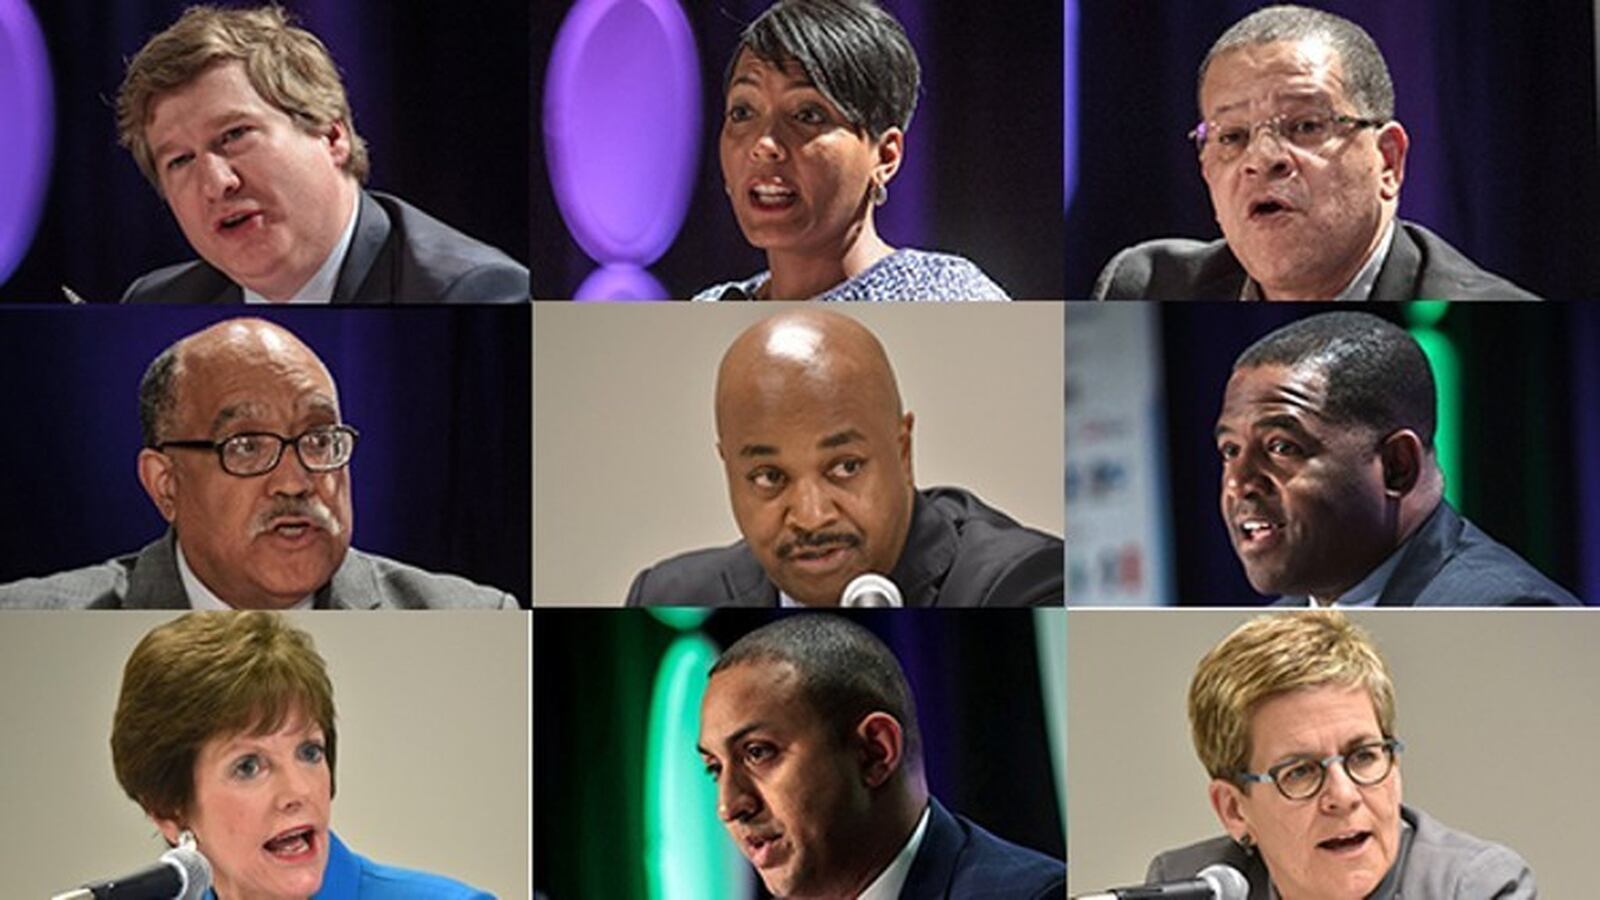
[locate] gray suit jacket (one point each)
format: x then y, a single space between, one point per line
399 254
1434 863
1449 561
149 580
1420 266
960 552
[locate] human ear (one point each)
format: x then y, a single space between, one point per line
907 422
1227 801
891 151
1393 142
1401 455
882 747
337 134
160 482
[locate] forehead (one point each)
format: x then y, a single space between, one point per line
1314 719
219 91
1263 75
1300 391
756 692
750 69
794 409
297 723
257 374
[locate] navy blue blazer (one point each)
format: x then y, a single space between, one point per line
959 552
1449 561
399 254
961 861
1420 266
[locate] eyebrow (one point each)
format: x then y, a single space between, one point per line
1277 420
837 439
732 738
211 124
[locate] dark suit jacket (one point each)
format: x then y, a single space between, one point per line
1420 266
1434 863
959 552
398 254
958 859
1452 562
150 580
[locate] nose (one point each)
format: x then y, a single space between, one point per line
812 507
1339 793
768 146
1267 153
219 179
290 477
736 798
1242 476
294 787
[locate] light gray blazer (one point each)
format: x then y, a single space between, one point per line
149 580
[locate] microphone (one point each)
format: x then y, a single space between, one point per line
182 874
1217 882
871 590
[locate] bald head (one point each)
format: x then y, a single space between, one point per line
227 347
817 451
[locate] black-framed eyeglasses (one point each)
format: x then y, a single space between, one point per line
250 453
1302 777
1310 131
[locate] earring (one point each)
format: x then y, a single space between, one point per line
1246 844
880 193
186 838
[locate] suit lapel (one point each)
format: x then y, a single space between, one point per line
745 583
935 864
1426 553
360 280
929 553
354 585
154 582
1402 268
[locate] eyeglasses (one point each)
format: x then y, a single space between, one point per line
252 453
1311 131
1301 778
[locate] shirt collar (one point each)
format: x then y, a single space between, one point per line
321 286
201 597
1359 288
887 885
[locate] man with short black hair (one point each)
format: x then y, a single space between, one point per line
1303 156
810 731
1331 492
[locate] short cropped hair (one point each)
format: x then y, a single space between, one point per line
1366 74
1377 374
206 675
1271 655
158 396
287 65
844 672
854 51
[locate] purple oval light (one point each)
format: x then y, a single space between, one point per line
622 126
27 109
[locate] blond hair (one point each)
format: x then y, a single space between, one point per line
206 675
287 65
1272 655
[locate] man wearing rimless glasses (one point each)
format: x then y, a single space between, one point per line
1301 152
246 457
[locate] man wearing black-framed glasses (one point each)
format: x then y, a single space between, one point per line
1303 157
247 458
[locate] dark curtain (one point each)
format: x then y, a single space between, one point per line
441 396
1499 100
1525 390
982 172
975 677
439 92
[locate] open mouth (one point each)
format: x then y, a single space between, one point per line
772 195
1256 533
1350 842
1266 209
294 845
763 851
237 220
291 529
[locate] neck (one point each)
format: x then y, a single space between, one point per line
804 273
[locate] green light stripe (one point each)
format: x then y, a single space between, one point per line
686 854
1050 635
1446 362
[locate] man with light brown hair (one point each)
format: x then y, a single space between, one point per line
239 120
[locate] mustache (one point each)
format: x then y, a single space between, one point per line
311 508
813 540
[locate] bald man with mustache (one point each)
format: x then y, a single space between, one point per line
247 458
816 447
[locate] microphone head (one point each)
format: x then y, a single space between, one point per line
869 590
193 866
1227 882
